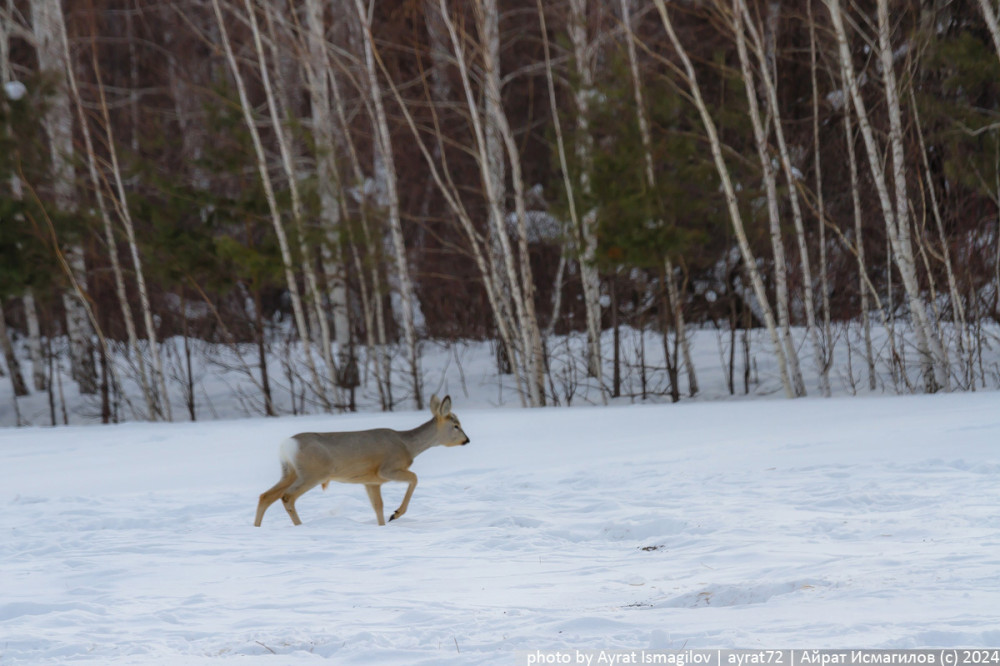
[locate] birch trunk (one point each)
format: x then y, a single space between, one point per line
318 72
371 302
574 217
53 56
824 286
647 143
933 359
492 119
990 15
160 399
278 118
957 307
35 341
98 184
265 177
866 327
812 330
774 216
586 230
16 188
496 121
731 203
441 176
896 220
384 149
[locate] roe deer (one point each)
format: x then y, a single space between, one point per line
371 457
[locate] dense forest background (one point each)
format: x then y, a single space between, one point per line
351 179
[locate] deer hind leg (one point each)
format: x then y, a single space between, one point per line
406 476
270 496
295 491
375 497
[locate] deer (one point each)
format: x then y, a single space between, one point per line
369 457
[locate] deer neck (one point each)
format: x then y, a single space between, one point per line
421 438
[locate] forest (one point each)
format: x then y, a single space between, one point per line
343 181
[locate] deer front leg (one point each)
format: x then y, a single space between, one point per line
375 497
406 476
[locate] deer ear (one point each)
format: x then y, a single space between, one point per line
445 408
435 404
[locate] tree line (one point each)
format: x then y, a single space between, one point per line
352 178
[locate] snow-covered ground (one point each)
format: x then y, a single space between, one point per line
812 523
226 381
752 522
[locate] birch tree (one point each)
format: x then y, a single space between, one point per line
586 228
647 142
384 155
866 328
318 74
98 184
774 112
28 298
516 290
496 121
511 336
265 177
53 56
159 399
371 301
824 285
773 213
729 190
929 347
279 96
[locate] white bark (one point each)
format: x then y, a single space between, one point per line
932 356
159 404
318 72
371 301
866 327
647 144
53 56
934 369
574 218
586 230
958 309
265 177
496 121
99 184
35 341
28 298
278 118
731 203
502 315
492 119
774 216
812 330
990 15
384 150
824 287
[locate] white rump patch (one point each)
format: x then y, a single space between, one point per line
289 448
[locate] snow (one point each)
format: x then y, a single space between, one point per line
15 90
746 522
813 523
